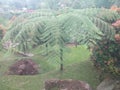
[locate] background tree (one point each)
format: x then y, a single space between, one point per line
58 4
106 3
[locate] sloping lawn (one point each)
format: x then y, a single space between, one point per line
76 66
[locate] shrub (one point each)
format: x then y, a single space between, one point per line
106 57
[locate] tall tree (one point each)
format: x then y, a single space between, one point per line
51 28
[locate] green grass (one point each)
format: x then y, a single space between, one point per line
76 66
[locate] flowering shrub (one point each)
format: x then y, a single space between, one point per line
107 57
115 8
106 54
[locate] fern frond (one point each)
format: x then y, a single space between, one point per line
46 27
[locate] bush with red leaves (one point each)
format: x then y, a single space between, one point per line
116 24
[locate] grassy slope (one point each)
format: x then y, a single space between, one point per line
77 66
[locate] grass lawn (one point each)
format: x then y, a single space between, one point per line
76 66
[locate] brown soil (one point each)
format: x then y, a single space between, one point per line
23 67
66 85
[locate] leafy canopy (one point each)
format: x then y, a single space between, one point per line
46 26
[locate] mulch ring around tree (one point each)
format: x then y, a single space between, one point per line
68 84
23 67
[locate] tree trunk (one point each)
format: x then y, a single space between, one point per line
61 59
76 43
61 67
46 49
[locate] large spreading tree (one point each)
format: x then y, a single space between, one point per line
52 29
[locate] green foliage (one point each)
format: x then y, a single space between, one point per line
106 57
50 28
106 51
104 3
58 4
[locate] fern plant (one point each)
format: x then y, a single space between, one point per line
51 29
